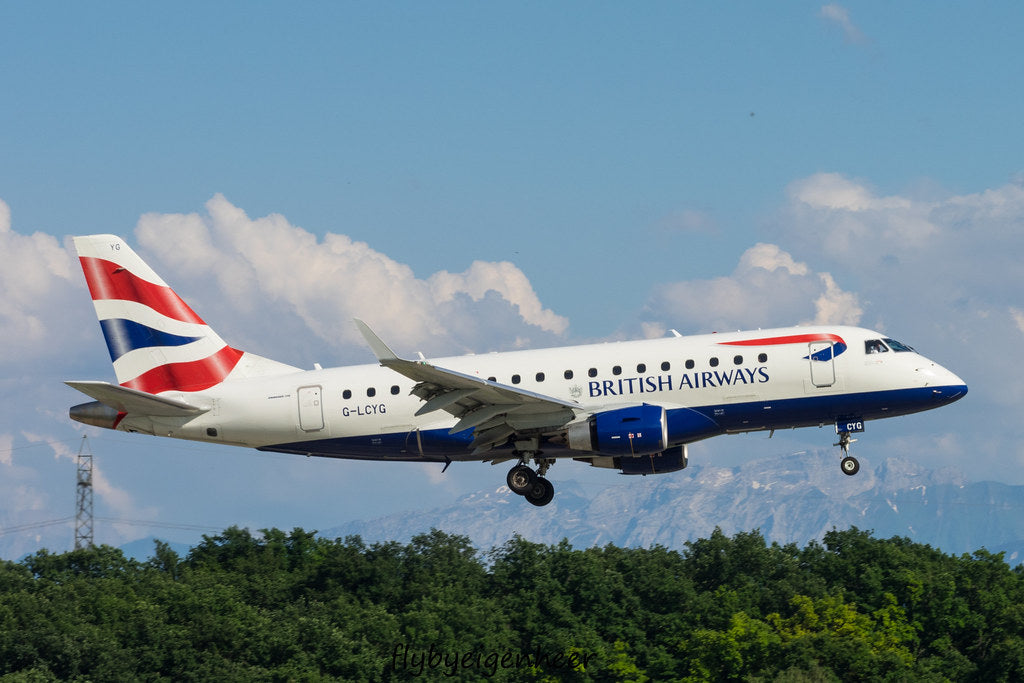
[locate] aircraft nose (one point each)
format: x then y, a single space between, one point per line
946 386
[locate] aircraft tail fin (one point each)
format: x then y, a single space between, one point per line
157 343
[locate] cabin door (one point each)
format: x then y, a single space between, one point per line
311 409
821 355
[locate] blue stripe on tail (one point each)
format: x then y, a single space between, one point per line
127 335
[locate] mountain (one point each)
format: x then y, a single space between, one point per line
142 549
793 498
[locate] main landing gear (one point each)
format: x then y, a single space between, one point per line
848 464
529 484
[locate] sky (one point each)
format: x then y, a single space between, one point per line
470 177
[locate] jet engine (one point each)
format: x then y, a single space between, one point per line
631 431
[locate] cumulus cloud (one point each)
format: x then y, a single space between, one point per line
37 278
767 288
267 269
961 246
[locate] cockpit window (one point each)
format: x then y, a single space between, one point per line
875 346
896 346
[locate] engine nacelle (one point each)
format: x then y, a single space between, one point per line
636 430
670 460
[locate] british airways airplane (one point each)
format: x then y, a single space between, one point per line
629 406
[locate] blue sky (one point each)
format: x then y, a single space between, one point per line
478 176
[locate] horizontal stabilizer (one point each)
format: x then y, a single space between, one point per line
132 401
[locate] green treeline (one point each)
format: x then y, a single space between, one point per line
290 606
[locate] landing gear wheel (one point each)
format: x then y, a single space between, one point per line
849 465
541 492
520 479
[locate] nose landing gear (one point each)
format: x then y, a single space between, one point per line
849 464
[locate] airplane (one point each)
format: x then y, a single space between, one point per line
631 406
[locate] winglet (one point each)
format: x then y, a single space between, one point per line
380 349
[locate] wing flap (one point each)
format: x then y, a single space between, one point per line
133 401
476 402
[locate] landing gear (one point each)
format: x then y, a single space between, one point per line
849 464
520 479
541 492
531 485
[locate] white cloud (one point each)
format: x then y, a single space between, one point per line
835 306
852 219
504 279
252 271
5 217
1018 318
6 449
840 16
37 279
767 288
771 258
957 247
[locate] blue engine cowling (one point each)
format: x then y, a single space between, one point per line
670 460
636 430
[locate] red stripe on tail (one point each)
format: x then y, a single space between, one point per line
189 376
108 280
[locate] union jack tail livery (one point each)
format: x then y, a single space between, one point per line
156 342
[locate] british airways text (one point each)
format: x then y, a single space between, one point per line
693 380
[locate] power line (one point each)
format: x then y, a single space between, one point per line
30 526
160 525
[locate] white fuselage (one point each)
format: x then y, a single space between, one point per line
708 384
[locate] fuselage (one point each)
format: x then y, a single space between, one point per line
708 384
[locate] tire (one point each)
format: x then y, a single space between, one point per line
542 492
520 479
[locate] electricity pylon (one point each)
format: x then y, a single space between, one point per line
83 498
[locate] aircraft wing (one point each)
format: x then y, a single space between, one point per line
125 400
494 411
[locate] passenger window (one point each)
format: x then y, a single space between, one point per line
492 379
394 390
737 360
347 394
875 346
592 372
666 366
713 362
690 364
641 368
568 374
762 358
617 370
371 392
540 376
516 379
